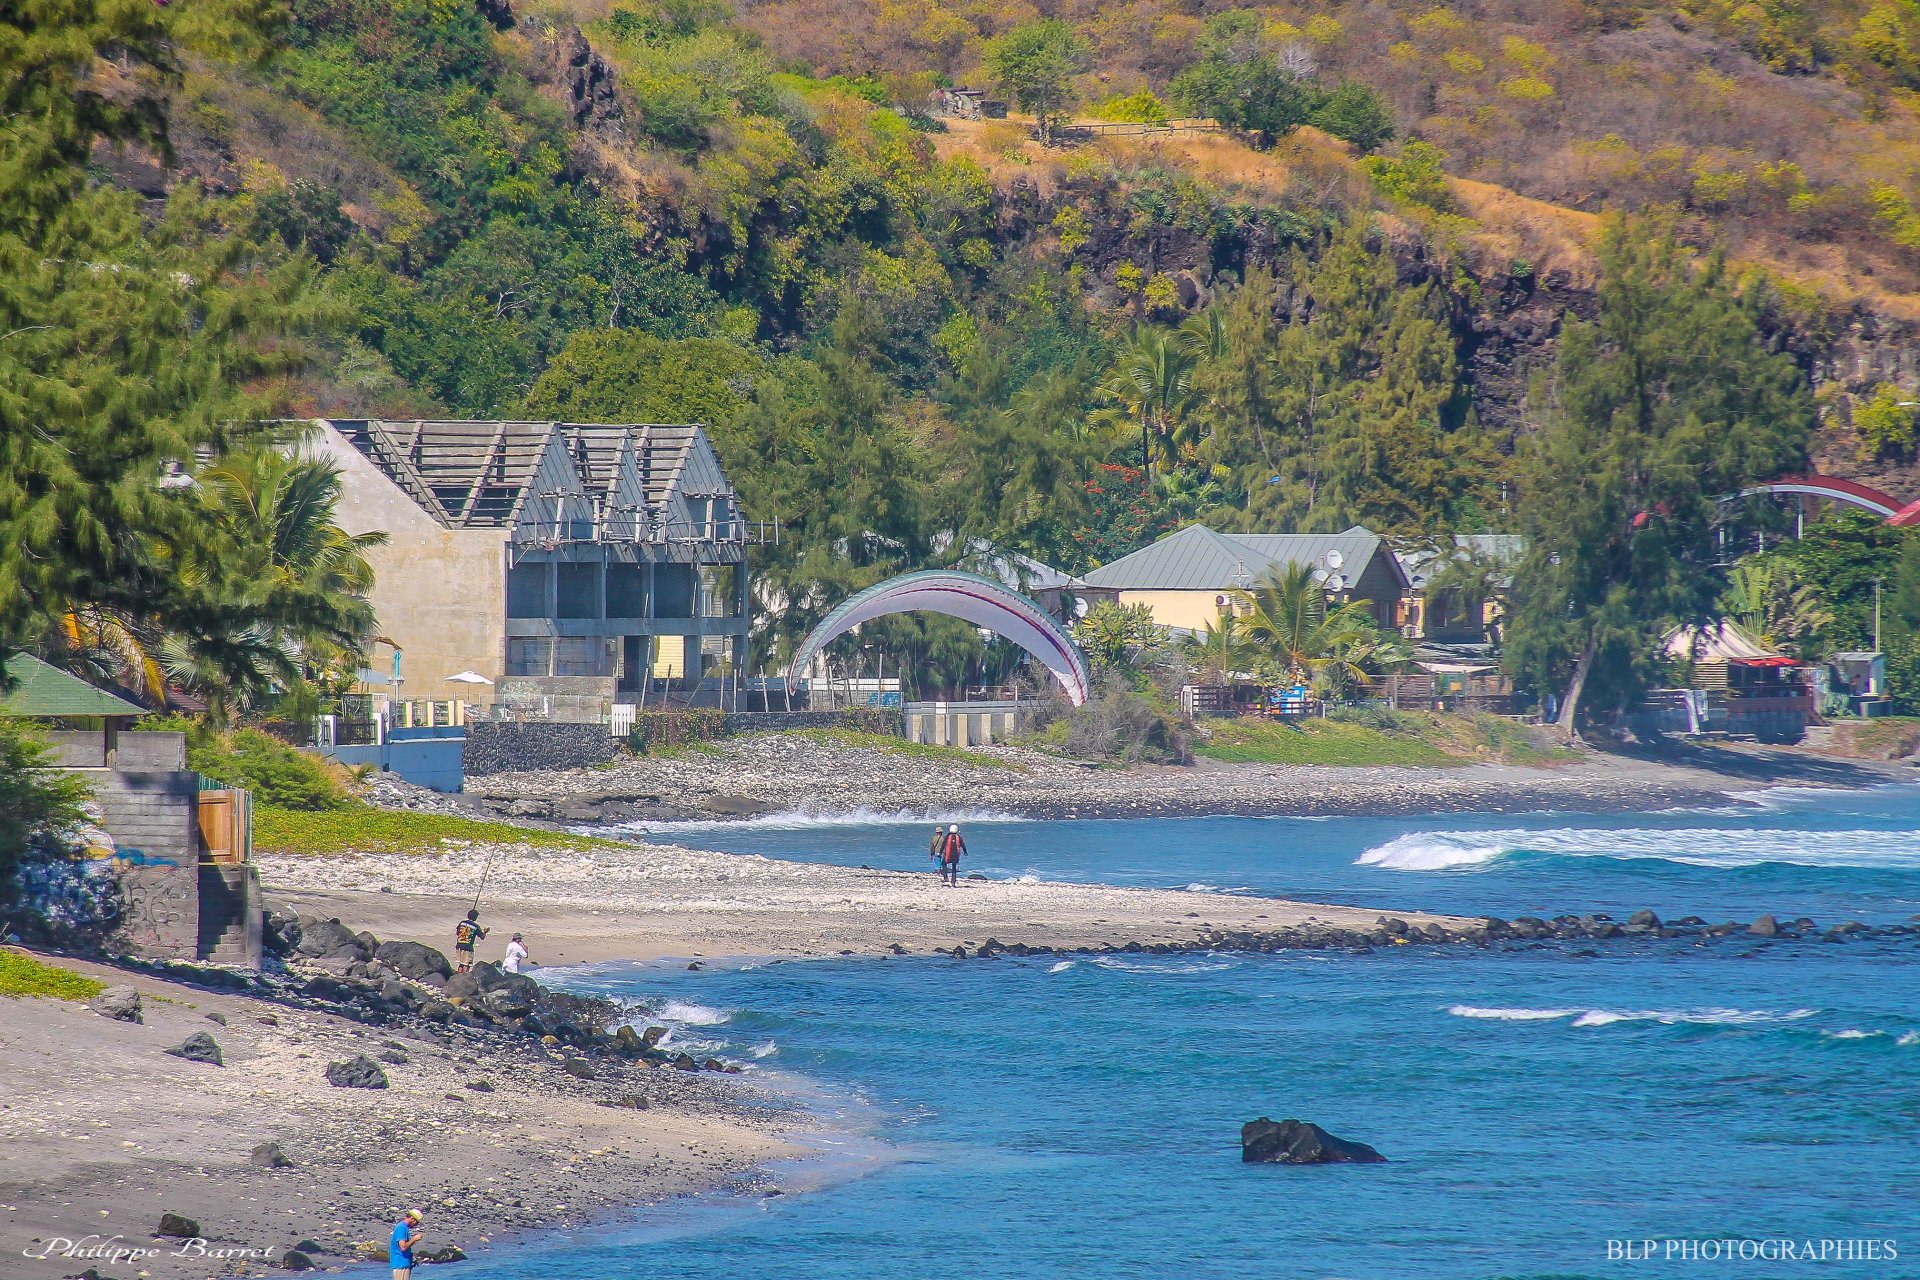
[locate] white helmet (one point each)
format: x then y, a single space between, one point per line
955 828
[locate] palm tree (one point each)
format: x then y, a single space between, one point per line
1331 646
1769 603
285 588
1219 652
1152 384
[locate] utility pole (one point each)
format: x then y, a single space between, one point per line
1876 615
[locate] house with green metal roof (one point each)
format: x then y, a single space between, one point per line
1188 578
43 692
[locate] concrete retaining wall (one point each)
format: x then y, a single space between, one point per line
510 747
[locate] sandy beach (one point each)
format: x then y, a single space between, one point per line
101 1131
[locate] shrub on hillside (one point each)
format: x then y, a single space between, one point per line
274 772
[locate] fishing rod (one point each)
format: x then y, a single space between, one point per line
484 874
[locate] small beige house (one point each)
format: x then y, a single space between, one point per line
1188 578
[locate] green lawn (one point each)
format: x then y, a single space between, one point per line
1315 742
24 976
887 744
365 829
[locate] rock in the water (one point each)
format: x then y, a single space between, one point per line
1764 927
450 1253
413 960
122 1004
268 1155
1643 920
177 1226
1295 1142
579 1068
198 1047
358 1072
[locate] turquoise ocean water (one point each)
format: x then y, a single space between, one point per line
1079 1117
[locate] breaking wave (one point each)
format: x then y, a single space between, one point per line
1693 846
1607 1017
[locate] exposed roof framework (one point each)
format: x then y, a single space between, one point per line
617 481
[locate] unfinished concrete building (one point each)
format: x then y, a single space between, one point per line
574 565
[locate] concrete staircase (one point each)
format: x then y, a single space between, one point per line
230 914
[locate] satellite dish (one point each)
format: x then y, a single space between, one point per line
1319 575
1334 560
1079 606
1220 602
1337 581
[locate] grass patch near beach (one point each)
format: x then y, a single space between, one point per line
1377 737
1252 741
24 976
365 829
887 744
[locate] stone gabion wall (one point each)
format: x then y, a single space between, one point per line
865 719
508 747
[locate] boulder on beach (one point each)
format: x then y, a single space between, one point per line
358 1072
177 1226
413 960
268 1155
199 1047
1295 1142
320 938
122 1004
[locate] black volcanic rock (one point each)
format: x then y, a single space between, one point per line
1297 1142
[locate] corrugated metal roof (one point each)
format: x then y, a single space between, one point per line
45 691
1194 559
1201 559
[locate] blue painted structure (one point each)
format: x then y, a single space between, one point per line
426 757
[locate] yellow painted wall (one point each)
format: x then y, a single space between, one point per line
1193 610
440 594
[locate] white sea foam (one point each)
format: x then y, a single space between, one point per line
1696 1017
1853 1034
1694 846
1060 966
1607 1017
766 1050
1509 1015
688 1014
1200 886
1908 1039
1174 966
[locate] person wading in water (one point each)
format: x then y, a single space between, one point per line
465 935
950 854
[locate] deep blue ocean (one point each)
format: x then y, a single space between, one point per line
1080 1118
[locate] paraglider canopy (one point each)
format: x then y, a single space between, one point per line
971 598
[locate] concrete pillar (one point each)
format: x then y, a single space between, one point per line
961 738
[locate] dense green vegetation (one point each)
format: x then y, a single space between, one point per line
24 976
1317 742
666 209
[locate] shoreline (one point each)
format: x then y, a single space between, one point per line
486 1182
767 774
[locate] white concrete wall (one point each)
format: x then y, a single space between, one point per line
440 593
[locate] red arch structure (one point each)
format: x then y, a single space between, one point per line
1886 506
